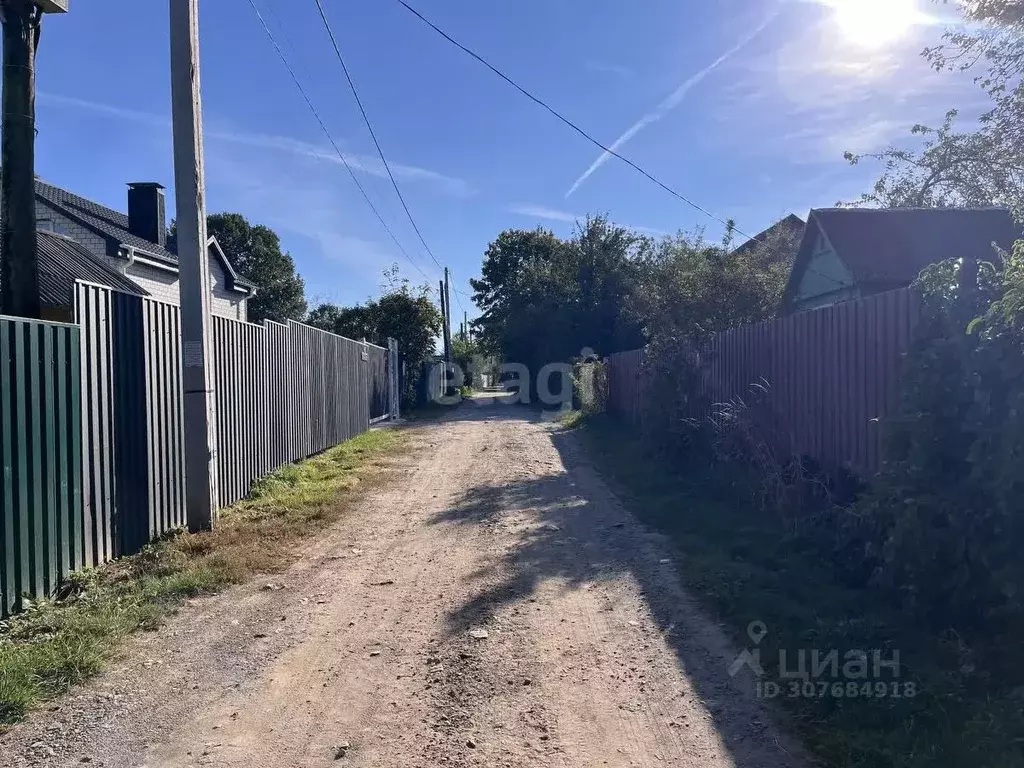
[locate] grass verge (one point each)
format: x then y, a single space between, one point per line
747 565
56 644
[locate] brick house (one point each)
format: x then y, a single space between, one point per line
132 246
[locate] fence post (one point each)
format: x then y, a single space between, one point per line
393 395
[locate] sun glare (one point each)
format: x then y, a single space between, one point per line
876 23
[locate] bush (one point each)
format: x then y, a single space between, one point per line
590 386
942 525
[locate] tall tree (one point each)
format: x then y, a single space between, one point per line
951 169
255 253
403 313
967 168
545 299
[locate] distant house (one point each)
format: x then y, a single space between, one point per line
82 240
849 253
789 229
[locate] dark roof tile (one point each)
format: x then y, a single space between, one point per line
893 245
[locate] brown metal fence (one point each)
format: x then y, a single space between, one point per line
626 385
40 458
822 380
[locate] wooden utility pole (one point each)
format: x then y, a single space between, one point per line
19 269
194 266
448 317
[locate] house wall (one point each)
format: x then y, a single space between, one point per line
159 283
164 286
826 280
54 221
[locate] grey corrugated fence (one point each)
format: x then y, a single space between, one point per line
41 537
831 377
91 424
131 420
286 392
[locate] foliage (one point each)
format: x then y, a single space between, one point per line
746 565
255 253
946 517
687 290
951 169
590 386
403 313
992 41
545 299
967 168
468 355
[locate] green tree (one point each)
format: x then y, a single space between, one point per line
687 290
402 312
545 299
951 169
978 167
255 253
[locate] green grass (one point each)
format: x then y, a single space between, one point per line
56 644
745 564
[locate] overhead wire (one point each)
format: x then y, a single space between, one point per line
373 134
330 138
543 104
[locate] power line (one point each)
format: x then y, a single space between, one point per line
562 117
373 135
540 102
330 138
457 299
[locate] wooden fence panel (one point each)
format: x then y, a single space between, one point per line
819 383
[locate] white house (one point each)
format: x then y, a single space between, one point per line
132 245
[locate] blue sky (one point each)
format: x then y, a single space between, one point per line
745 106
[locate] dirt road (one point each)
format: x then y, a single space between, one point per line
491 605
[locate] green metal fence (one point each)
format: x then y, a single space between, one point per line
40 456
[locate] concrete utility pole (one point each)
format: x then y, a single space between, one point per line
19 270
194 266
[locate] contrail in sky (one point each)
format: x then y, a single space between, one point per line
671 102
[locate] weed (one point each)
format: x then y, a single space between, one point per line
746 565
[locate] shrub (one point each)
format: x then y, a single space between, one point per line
942 525
590 386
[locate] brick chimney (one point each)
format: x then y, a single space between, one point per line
147 217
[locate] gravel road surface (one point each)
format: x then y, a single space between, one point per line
491 604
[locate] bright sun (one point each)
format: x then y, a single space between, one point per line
875 23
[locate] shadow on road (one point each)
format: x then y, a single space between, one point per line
581 535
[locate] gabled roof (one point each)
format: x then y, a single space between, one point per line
62 261
888 247
792 225
114 226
